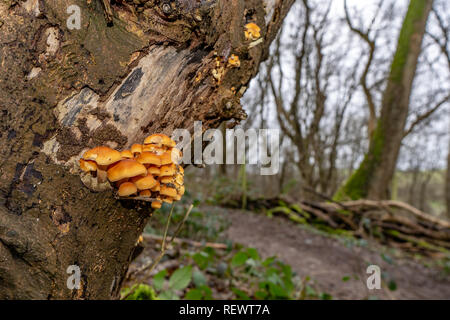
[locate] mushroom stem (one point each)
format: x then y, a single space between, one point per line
102 174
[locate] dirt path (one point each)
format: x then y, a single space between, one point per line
328 261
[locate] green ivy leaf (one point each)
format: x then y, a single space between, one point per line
260 294
194 294
168 295
326 296
198 278
253 253
241 295
278 291
181 278
268 261
201 259
158 280
239 259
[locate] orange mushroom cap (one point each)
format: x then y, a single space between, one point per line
168 170
88 165
178 180
127 154
160 140
144 183
166 158
103 155
153 149
136 148
168 191
126 189
156 204
154 170
128 168
157 187
149 158
252 31
145 193
234 61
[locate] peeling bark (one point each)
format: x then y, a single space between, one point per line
63 91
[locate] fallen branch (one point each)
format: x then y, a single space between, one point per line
389 222
193 243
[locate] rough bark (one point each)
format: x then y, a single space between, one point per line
63 91
374 175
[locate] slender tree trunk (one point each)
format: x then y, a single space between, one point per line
374 176
447 183
63 91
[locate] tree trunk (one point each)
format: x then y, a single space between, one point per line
447 183
63 91
373 177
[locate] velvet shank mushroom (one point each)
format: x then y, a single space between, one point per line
150 170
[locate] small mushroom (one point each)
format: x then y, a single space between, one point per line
157 204
88 165
153 149
144 183
168 191
168 170
145 193
252 31
154 170
127 189
127 154
103 156
166 158
124 169
160 139
156 188
233 61
177 179
149 158
136 149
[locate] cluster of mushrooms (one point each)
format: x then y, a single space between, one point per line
252 31
150 171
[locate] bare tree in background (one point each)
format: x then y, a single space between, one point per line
374 175
311 95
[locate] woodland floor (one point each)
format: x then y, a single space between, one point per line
336 266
